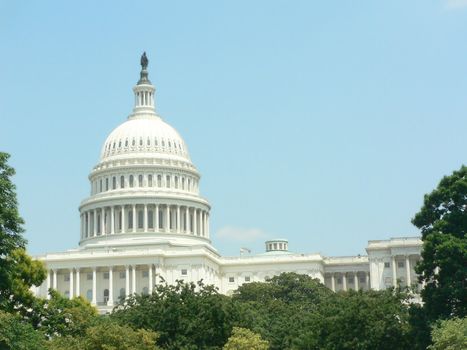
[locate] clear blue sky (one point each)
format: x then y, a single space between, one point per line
324 122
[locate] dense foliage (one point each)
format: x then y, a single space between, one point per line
244 339
450 335
185 315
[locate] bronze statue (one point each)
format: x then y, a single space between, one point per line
144 61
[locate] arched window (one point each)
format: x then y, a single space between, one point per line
126 143
176 181
140 180
133 143
183 183
106 295
106 183
141 141
149 142
114 183
89 294
159 181
150 180
131 180
122 181
189 185
98 223
100 185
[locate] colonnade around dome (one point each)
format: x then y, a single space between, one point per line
146 218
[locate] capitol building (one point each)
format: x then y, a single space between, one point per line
146 221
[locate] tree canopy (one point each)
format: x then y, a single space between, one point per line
443 267
244 339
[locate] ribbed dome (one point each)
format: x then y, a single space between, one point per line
147 136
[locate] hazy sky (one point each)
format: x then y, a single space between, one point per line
324 122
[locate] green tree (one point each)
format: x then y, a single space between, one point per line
186 316
282 308
60 316
18 272
18 335
244 339
107 335
363 320
443 267
450 335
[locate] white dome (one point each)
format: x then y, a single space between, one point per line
147 136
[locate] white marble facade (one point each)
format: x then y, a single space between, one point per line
145 219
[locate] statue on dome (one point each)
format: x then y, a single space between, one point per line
144 61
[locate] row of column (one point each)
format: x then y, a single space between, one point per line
144 218
75 289
344 276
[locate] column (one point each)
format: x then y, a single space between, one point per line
122 213
195 226
127 281
145 218
88 224
188 228
355 280
81 226
178 219
94 286
71 284
112 220
333 282
54 281
133 279
394 271
134 218
407 267
103 231
167 224
367 280
111 287
201 222
205 233
344 281
94 233
151 284
78 289
48 283
157 218
207 225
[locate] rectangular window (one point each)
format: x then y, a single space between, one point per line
145 274
66 278
339 280
89 276
140 219
150 219
159 181
122 274
167 181
247 278
400 264
106 275
387 265
184 272
150 180
231 279
106 183
362 279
